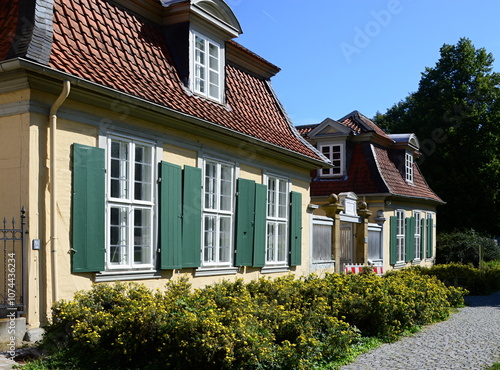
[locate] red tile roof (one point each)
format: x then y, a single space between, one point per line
361 124
108 45
396 183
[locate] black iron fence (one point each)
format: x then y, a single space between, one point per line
12 280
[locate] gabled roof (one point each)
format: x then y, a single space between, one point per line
112 46
361 124
356 122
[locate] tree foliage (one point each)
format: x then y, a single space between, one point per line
455 113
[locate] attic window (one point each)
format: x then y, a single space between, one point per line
409 167
206 67
335 153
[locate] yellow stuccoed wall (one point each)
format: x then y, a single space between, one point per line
178 147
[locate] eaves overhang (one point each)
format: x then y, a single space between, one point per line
93 93
391 196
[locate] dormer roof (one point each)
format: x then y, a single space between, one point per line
406 140
354 122
215 15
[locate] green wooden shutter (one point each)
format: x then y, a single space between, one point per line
410 239
393 244
245 205
170 221
430 235
295 228
259 252
192 217
88 214
422 238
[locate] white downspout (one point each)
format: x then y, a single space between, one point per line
53 186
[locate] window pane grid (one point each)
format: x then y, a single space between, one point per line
277 222
400 235
409 167
334 153
218 213
418 235
207 67
130 204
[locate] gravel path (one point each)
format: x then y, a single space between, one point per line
469 339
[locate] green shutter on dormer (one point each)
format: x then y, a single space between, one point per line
170 219
88 209
295 228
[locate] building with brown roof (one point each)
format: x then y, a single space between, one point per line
144 143
374 202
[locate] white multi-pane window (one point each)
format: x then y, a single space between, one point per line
277 220
409 167
418 234
400 235
207 64
335 153
130 203
218 212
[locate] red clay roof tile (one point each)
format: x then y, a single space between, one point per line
110 46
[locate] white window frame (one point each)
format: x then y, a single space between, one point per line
409 167
126 201
200 83
418 234
339 163
211 250
277 217
400 236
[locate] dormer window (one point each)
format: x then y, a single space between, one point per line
206 67
409 167
335 153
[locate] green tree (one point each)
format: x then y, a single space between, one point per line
455 114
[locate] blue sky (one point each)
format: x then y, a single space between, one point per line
337 56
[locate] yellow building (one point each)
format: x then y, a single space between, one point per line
144 144
374 202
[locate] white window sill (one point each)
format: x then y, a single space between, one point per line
416 261
126 275
205 271
274 269
400 265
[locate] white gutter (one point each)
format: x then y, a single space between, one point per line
53 185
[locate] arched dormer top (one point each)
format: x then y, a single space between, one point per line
213 15
406 139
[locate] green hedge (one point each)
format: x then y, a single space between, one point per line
478 281
265 324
